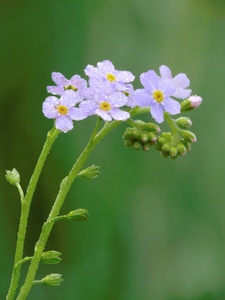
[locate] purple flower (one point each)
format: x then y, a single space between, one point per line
76 84
180 81
63 110
156 94
107 106
105 72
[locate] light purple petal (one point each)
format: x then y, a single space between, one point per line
117 99
157 112
102 88
91 71
70 98
88 107
166 87
106 66
56 90
49 107
150 80
76 114
104 115
181 80
78 82
119 114
59 79
171 106
182 93
124 76
142 98
64 123
165 72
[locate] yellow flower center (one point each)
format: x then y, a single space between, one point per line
158 96
70 87
105 106
111 77
62 109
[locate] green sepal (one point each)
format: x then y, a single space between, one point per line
13 177
50 257
79 215
91 172
53 279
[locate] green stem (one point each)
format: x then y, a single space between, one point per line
172 126
20 192
65 186
64 189
25 208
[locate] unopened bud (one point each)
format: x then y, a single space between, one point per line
146 146
183 122
188 136
90 173
151 127
13 177
181 149
191 103
52 280
195 101
166 148
173 152
152 137
79 215
128 143
51 257
137 145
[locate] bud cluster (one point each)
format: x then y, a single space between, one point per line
142 136
178 144
170 146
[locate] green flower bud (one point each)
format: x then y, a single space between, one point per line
90 173
152 137
183 122
161 140
146 146
188 136
128 134
167 135
13 177
173 152
187 145
144 138
128 143
137 145
52 280
51 257
181 149
79 215
166 148
150 127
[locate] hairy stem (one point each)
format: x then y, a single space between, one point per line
25 208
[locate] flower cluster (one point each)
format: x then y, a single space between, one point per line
109 90
109 94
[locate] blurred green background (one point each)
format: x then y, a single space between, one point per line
157 226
